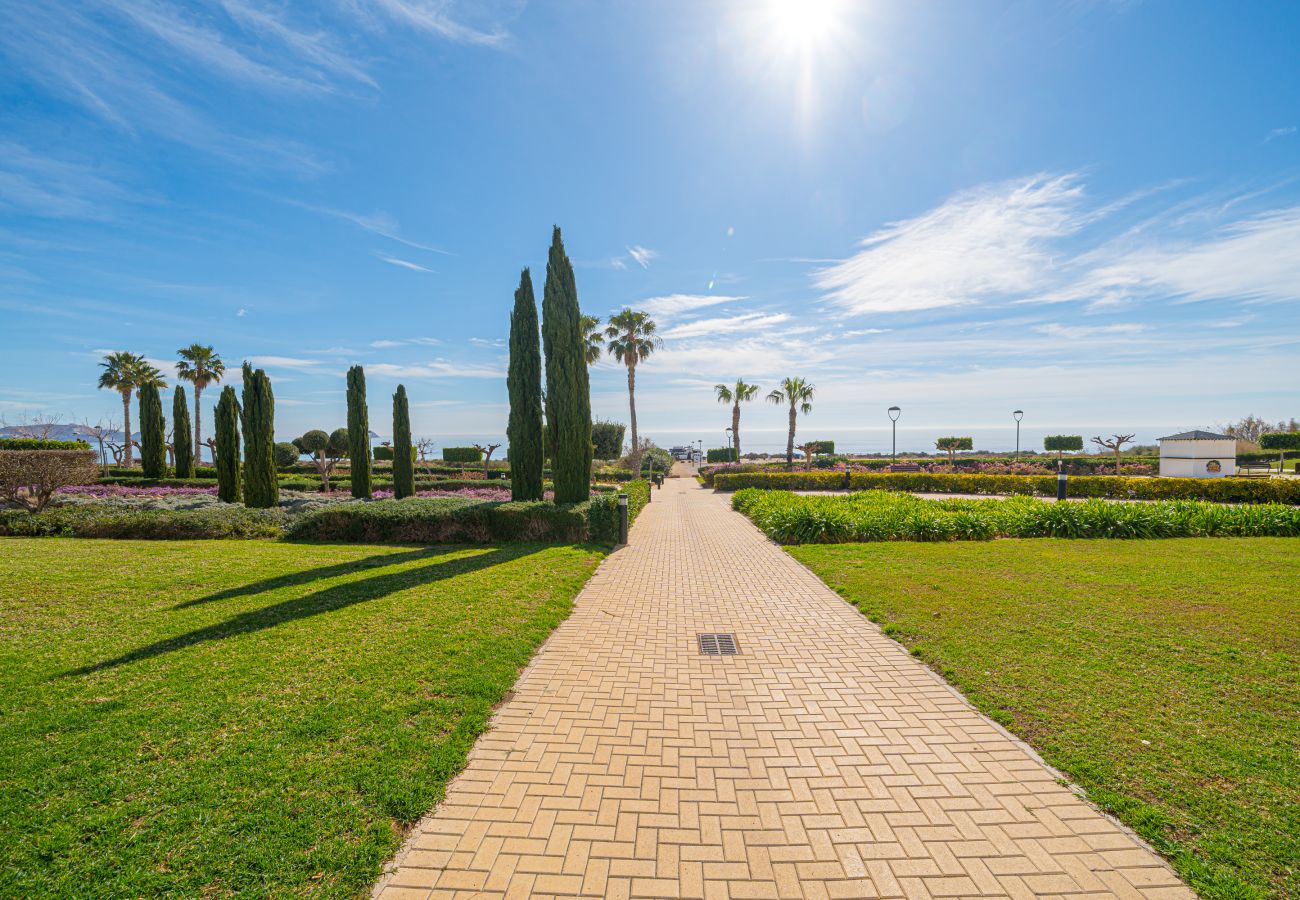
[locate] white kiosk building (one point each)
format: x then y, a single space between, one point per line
1198 454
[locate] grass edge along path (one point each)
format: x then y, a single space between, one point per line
266 720
1161 676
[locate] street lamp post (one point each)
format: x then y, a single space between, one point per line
894 413
1018 415
732 453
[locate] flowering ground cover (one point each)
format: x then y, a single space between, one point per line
1161 676
260 721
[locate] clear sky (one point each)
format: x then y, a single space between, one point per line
1089 210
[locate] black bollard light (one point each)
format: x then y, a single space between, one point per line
622 518
1060 481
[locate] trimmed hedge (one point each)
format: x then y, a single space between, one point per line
441 520
1218 490
720 454
887 516
462 454
22 443
602 512
105 521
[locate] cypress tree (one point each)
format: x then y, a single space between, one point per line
261 487
227 462
358 432
524 381
403 467
153 441
567 387
182 437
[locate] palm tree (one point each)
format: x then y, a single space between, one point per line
736 394
591 338
201 366
122 372
632 339
799 394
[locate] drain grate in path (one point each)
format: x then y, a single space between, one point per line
718 644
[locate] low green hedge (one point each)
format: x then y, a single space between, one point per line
200 472
889 516
102 521
602 512
23 443
441 520
462 454
1219 490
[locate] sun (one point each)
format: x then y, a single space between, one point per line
804 25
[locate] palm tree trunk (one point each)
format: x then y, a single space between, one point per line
198 426
631 403
126 425
789 441
735 431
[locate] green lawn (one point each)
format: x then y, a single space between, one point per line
1162 676
246 718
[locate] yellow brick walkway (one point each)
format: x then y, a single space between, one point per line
822 761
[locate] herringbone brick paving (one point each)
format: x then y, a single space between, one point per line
822 761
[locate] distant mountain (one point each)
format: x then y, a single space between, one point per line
57 432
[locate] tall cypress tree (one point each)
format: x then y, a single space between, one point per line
567 387
358 432
227 424
524 381
403 466
182 437
261 487
153 430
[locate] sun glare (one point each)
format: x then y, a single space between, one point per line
805 24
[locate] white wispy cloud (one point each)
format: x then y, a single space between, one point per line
642 255
444 18
284 362
487 342
675 305
745 322
990 241
439 368
1285 131
43 185
387 343
377 222
1055 329
404 263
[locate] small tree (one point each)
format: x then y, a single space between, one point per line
1061 443
1281 441
325 451
809 450
286 454
358 433
951 445
101 433
403 467
153 439
1115 443
30 478
568 391
524 428
182 440
226 449
424 446
607 438
487 450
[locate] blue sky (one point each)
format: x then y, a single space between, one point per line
1087 210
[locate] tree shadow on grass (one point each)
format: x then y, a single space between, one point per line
292 579
330 599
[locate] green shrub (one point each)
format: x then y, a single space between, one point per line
385 454
442 520
602 512
1219 490
821 447
23 443
607 439
883 516
1059 443
94 520
462 454
720 455
286 455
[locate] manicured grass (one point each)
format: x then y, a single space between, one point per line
1162 676
247 718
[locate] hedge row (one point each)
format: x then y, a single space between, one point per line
22 443
1219 490
884 516
417 520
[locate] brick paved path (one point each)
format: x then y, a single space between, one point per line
822 761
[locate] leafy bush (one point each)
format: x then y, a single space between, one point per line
602 512
22 443
385 454
720 454
607 439
101 520
883 516
1220 490
286 455
821 447
30 478
1063 442
462 454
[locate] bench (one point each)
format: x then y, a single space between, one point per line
1253 470
903 467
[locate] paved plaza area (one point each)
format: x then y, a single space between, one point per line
820 760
